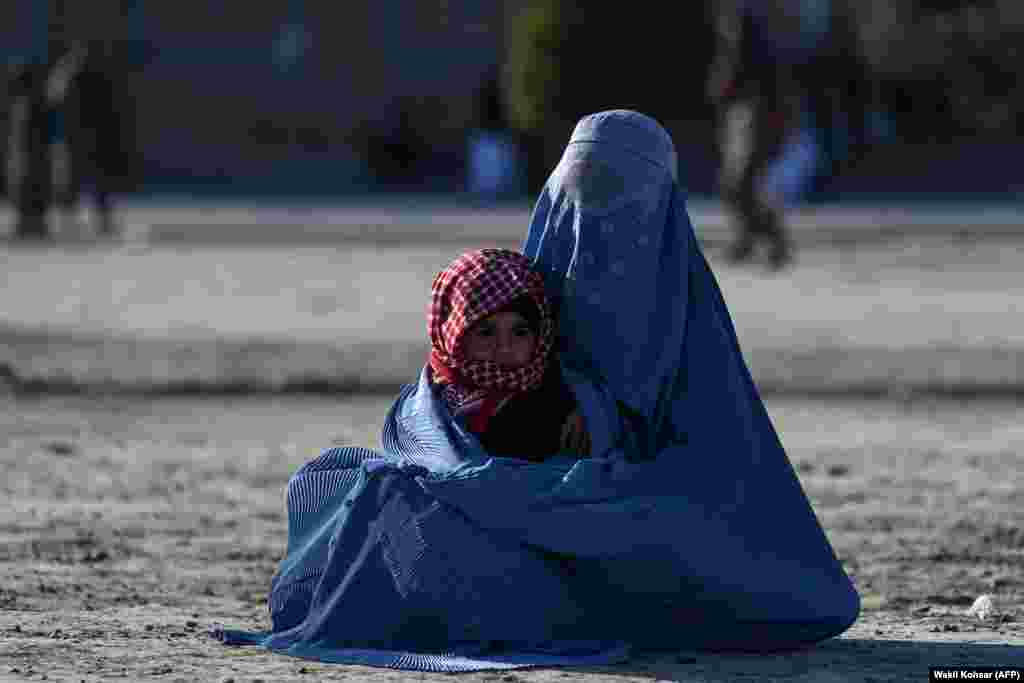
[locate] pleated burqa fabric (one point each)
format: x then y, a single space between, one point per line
686 529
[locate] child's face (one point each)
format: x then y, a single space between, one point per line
505 338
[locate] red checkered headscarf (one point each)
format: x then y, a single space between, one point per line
475 286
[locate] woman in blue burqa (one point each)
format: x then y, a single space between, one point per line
686 528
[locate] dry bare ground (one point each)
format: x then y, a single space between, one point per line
129 525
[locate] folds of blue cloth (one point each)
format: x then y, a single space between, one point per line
381 572
430 555
686 528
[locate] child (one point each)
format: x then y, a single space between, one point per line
492 362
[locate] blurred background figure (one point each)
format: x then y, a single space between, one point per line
28 167
92 150
780 70
811 101
70 124
492 165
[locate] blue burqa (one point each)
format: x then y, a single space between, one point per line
687 527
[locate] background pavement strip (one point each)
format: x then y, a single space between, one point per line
930 313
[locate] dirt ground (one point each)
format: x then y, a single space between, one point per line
130 525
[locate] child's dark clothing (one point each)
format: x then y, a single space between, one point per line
530 425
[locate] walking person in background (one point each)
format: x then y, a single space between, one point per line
28 163
94 149
755 89
59 78
778 65
492 168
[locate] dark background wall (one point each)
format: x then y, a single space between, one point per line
305 96
322 97
314 96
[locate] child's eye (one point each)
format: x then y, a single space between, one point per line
485 330
523 331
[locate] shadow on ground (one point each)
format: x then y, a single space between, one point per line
840 659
